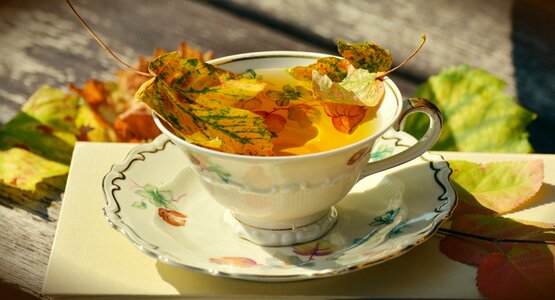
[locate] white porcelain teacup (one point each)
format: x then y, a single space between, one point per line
284 200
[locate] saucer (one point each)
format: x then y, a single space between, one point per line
154 199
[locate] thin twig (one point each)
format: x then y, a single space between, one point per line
491 239
406 60
102 43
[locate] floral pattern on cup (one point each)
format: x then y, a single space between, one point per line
205 166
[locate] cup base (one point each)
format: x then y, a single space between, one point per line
281 237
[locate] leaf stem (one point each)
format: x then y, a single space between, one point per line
102 44
491 239
406 59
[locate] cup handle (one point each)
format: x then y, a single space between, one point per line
410 106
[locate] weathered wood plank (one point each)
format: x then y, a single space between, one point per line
511 39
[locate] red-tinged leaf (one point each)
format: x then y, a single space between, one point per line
345 117
471 251
274 122
136 125
498 186
94 92
467 251
525 272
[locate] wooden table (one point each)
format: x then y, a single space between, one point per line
42 43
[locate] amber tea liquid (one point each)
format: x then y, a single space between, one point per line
294 138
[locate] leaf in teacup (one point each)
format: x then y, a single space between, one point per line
521 269
360 87
187 78
478 115
23 169
368 56
172 94
304 114
334 67
345 117
230 93
498 186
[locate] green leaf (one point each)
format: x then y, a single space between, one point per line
478 115
368 56
498 186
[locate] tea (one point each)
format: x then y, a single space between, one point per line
302 126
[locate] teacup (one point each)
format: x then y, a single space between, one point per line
285 200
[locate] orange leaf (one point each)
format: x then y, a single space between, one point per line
345 117
136 125
93 92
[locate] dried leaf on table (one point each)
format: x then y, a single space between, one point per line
22 169
37 143
136 125
478 115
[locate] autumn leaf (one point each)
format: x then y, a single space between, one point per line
505 269
335 68
359 88
45 126
92 126
173 94
136 125
24 170
478 116
304 114
498 186
368 56
345 117
526 272
230 93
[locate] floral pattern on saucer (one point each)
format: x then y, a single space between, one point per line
384 216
